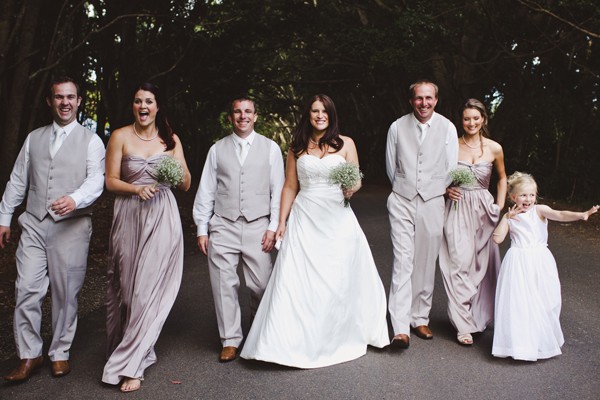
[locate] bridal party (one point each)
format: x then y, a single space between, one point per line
282 218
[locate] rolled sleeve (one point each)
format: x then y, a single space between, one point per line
276 181
204 202
16 188
93 184
451 151
390 152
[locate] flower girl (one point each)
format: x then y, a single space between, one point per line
528 300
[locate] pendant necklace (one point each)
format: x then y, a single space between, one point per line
143 138
468 145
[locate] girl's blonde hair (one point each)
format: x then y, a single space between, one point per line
518 180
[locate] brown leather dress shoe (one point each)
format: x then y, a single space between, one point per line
229 353
423 332
24 369
60 368
400 341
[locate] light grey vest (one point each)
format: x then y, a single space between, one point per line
421 168
51 178
243 190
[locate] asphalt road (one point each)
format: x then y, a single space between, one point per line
436 369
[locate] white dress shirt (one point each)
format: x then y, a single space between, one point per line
204 203
85 195
392 143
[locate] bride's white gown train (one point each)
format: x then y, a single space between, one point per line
325 301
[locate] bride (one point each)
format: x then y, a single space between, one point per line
325 301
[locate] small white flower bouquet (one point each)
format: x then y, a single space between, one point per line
461 177
169 171
347 175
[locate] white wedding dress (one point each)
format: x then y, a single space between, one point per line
325 301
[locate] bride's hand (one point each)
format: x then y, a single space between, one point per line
280 232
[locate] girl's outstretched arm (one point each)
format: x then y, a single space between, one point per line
564 216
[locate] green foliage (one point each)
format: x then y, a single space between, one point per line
538 60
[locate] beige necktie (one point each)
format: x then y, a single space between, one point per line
244 148
57 140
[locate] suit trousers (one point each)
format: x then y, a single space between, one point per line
230 244
416 233
49 254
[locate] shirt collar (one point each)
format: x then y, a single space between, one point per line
67 128
428 123
249 138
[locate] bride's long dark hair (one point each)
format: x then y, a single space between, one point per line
302 134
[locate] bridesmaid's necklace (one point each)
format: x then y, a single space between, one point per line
313 141
143 138
468 145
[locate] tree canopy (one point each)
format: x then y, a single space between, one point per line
533 62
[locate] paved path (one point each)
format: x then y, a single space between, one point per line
436 369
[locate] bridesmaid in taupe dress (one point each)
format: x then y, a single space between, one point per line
145 260
469 259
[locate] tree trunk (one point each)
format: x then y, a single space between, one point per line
18 89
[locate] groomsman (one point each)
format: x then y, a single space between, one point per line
422 148
237 211
61 170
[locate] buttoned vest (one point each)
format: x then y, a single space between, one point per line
243 190
51 178
421 168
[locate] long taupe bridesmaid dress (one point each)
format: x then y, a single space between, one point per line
145 266
469 259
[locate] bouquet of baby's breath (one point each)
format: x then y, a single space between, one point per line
169 171
347 175
462 177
